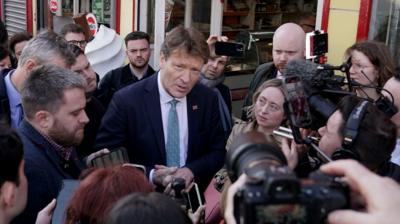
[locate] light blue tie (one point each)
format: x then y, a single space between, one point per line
172 146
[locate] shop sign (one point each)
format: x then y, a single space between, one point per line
92 23
53 6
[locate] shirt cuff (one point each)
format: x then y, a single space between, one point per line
151 176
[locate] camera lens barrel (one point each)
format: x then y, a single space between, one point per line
253 158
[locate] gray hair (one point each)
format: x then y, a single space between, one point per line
46 46
45 86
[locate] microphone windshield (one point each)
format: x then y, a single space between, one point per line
307 70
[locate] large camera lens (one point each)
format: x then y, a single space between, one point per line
253 154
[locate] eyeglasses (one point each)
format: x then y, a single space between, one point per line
271 107
81 43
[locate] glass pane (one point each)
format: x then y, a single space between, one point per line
199 12
253 22
102 10
150 19
385 20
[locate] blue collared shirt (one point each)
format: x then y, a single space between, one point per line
14 99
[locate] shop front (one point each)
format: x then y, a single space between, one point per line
248 21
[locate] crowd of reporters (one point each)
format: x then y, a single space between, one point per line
52 110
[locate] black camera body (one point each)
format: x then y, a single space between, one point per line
281 197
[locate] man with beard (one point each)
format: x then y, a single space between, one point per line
288 44
212 75
94 109
54 103
138 52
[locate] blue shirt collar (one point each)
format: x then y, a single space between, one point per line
14 96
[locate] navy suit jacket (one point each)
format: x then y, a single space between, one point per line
134 120
44 170
5 114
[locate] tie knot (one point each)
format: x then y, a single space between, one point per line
173 103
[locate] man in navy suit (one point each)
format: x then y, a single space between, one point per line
141 117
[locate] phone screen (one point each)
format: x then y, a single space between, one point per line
299 112
193 197
320 44
229 49
116 156
316 44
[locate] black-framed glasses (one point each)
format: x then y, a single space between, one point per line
78 42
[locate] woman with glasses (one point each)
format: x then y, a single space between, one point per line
266 114
371 66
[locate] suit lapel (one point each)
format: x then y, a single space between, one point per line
193 112
4 102
153 109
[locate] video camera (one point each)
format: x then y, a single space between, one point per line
321 88
273 194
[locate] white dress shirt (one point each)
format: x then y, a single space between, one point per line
181 109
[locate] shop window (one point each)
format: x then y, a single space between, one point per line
384 23
253 22
102 10
199 12
150 19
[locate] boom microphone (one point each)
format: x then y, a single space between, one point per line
319 75
319 84
305 69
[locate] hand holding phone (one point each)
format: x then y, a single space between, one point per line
195 202
115 157
193 197
46 214
212 39
231 49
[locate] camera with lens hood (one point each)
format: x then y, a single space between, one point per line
273 193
